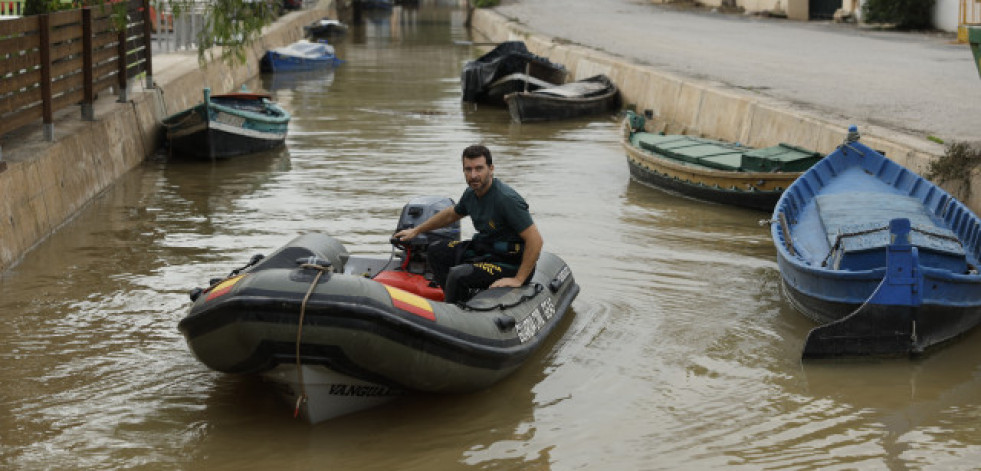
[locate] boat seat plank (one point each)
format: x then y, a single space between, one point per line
573 89
534 83
868 229
729 161
781 157
694 150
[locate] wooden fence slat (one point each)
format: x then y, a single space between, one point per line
62 18
64 50
67 66
68 99
100 41
100 25
104 83
20 62
61 35
17 82
22 118
17 43
66 84
104 70
21 100
102 55
19 26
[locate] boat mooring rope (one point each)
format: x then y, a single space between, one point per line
321 269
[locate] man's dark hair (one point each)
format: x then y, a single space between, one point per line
478 150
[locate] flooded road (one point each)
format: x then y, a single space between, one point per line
680 351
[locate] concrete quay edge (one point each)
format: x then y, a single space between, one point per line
690 106
45 184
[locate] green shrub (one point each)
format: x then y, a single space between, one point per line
486 3
955 165
905 14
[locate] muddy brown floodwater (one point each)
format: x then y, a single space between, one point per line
680 351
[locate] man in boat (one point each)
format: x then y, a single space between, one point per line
505 249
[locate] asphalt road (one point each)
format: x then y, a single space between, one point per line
921 84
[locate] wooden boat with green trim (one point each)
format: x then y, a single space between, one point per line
713 170
227 125
337 332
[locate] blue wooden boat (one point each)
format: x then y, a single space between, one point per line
227 125
301 55
883 258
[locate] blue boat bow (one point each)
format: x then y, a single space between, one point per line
883 258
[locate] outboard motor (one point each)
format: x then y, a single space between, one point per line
412 275
417 211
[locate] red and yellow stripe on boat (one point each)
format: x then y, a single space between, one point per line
223 288
412 303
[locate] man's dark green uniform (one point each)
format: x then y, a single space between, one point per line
495 250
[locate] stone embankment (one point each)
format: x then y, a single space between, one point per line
46 183
690 106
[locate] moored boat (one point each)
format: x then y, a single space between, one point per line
227 125
884 259
589 96
507 68
338 332
712 170
325 27
301 55
376 4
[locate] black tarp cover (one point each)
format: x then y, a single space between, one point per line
507 58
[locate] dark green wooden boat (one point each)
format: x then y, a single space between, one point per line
712 170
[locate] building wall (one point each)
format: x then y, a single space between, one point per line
945 12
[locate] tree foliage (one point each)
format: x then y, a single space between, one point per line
905 14
233 24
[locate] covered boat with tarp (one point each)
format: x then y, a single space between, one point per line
325 27
884 259
338 332
713 170
508 68
301 55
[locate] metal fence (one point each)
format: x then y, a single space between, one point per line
12 8
968 15
176 32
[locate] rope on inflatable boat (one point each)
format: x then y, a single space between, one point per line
321 269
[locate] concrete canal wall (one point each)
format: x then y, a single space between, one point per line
689 106
46 183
